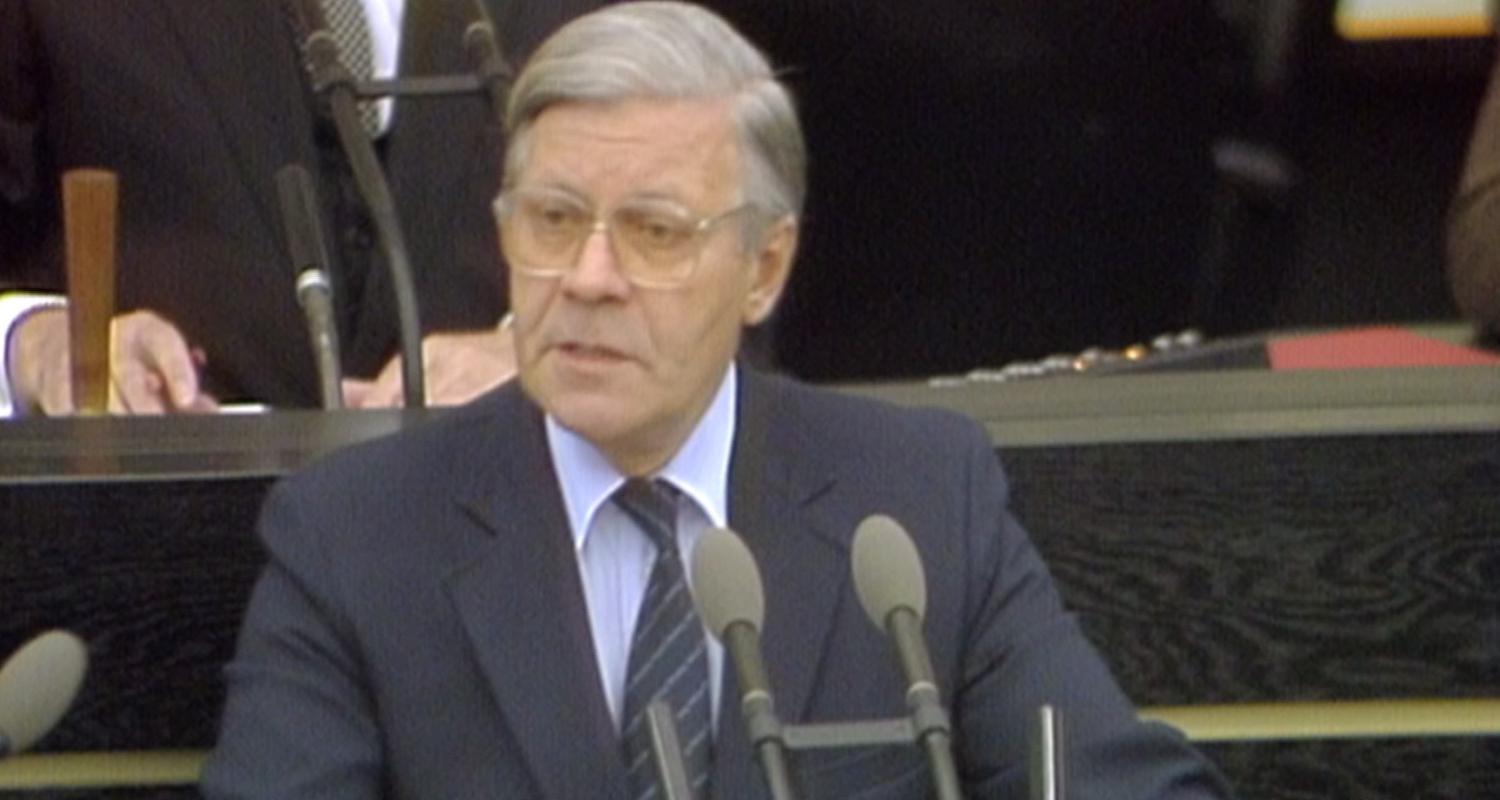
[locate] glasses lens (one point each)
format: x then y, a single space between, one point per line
656 243
542 230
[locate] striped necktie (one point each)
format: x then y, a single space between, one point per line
346 21
668 658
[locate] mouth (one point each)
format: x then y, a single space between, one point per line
591 353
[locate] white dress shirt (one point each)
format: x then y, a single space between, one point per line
615 556
383 17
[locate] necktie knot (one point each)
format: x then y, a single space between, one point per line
652 504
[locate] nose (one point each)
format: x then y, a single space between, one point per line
597 274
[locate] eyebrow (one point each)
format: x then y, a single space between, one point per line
651 196
562 188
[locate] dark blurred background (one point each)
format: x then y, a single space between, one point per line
994 180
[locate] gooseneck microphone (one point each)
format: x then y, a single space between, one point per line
37 685
488 63
333 82
892 588
304 240
730 601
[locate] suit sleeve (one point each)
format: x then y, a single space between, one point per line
1023 649
299 722
1474 220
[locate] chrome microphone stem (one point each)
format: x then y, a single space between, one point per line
1047 772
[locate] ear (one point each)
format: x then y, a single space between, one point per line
771 268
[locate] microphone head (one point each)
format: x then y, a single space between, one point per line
887 570
726 582
37 685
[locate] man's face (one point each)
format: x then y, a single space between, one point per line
630 368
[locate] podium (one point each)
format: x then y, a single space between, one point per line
1238 545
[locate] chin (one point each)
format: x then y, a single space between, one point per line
598 417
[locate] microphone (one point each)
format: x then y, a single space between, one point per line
335 84
37 685
483 50
892 588
730 601
304 238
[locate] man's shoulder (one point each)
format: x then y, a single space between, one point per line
847 407
423 450
846 420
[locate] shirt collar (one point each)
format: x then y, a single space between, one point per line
700 468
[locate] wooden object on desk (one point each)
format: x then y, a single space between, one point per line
90 204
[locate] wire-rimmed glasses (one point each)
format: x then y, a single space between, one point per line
656 243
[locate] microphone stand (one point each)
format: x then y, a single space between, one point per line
493 72
767 734
304 237
335 85
929 719
425 86
666 751
1048 781
734 612
892 587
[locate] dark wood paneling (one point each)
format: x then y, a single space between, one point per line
1290 569
154 576
1382 769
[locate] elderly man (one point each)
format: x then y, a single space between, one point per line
483 606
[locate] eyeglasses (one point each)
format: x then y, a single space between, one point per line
656 243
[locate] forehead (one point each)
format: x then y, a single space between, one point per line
677 148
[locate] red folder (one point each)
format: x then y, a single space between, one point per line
1385 346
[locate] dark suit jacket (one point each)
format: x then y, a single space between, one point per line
421 630
197 103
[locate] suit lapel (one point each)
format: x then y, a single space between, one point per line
779 492
522 605
242 56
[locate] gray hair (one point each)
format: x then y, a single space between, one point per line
669 50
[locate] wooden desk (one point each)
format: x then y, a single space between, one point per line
1226 539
